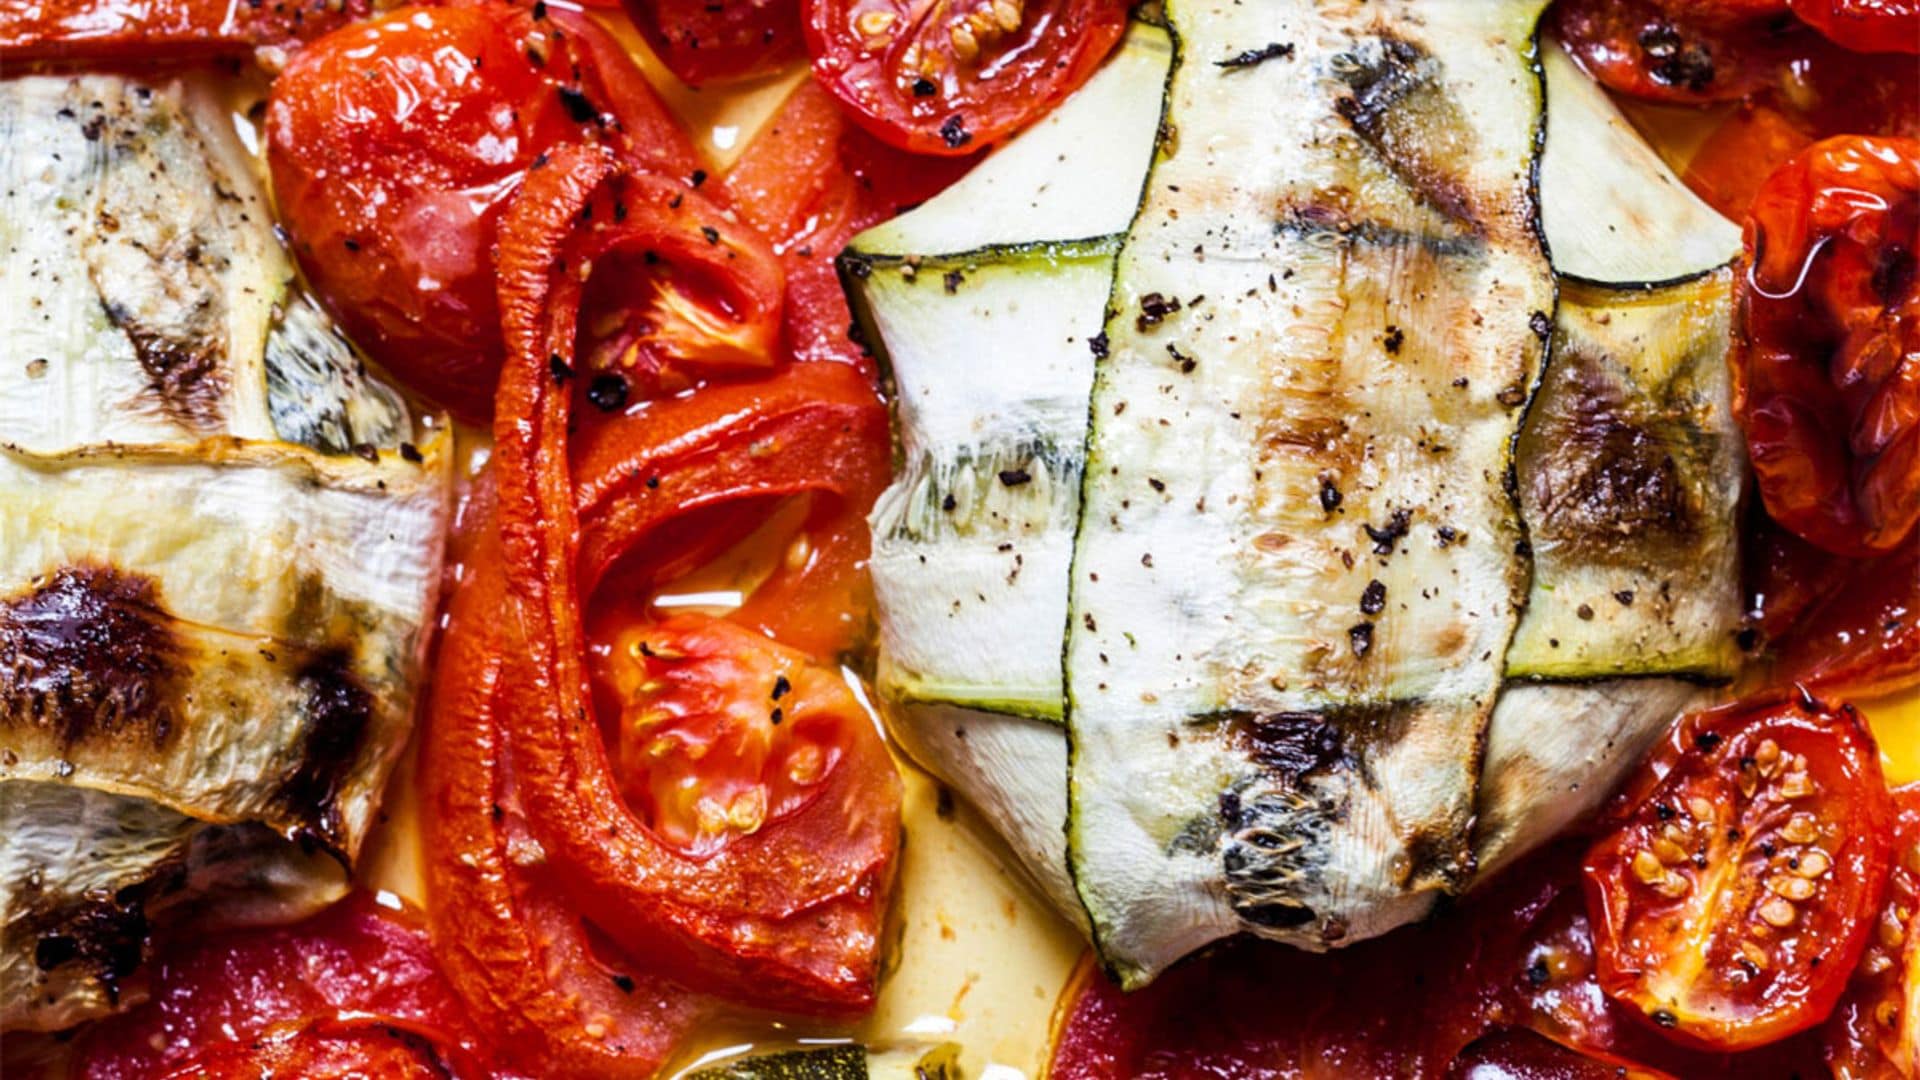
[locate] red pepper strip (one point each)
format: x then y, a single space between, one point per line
354 970
507 938
747 921
146 30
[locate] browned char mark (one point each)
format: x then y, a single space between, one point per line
338 713
89 653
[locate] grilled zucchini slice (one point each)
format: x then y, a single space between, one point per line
1297 568
219 545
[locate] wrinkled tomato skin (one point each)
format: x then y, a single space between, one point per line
1826 358
1868 26
949 103
714 41
148 30
1678 51
394 145
1738 879
1875 1030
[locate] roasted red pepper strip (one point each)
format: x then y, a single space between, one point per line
353 987
146 30
772 920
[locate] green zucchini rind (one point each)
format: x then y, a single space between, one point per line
1297 567
1630 467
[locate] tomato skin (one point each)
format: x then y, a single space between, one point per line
1739 880
394 146
326 989
146 30
1677 51
809 181
977 79
1875 1031
1868 26
1826 358
712 41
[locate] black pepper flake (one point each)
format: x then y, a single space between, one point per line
1187 363
781 687
366 451
1384 538
1275 50
1374 599
608 391
410 453
699 177
954 132
1585 611
1015 477
558 366
623 983
498 811
1540 324
1156 484
1098 343
1625 596
578 107
950 281
1665 811
924 87
1447 534
1511 397
1664 1018
1330 497
653 482
1395 338
539 9
776 716
1537 973
352 244
1706 742
1155 307
1360 636
948 503
712 234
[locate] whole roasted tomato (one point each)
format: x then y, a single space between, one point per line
951 78
1870 26
1826 361
1683 51
396 143
1743 874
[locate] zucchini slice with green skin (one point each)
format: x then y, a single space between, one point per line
1630 467
1618 215
1298 566
988 349
843 1061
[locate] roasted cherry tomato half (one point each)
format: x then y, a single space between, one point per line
1826 358
951 77
709 41
1875 1031
396 143
1742 874
1869 26
1685 51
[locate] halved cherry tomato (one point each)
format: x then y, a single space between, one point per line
395 145
1875 1030
1870 26
809 181
148 30
1741 878
950 78
1684 51
1826 362
354 990
709 41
